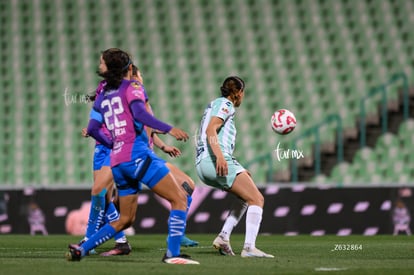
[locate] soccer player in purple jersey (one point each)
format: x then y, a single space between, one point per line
102 208
182 178
121 107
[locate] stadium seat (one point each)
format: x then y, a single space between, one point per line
313 57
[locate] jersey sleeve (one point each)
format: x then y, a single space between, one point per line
95 112
222 109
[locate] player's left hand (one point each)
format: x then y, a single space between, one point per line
172 151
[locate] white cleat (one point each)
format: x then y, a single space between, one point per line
255 253
223 246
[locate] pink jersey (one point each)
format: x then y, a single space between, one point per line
128 135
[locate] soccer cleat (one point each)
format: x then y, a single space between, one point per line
119 249
180 259
223 246
254 253
90 252
74 254
186 242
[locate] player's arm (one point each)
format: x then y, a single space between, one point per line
149 110
95 128
140 114
211 132
170 150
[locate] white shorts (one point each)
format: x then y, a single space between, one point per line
206 170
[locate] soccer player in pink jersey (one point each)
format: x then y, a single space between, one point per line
121 107
102 207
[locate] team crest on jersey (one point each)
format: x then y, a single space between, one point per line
225 110
135 85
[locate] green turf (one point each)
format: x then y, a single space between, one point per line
21 254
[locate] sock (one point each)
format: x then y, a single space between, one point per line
228 226
176 229
189 200
112 214
96 214
253 220
237 211
104 234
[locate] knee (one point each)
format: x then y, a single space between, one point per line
98 189
256 199
260 200
123 222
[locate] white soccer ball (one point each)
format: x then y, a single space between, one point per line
283 121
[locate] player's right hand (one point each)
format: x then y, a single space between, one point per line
178 134
85 132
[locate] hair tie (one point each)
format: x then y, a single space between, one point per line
126 66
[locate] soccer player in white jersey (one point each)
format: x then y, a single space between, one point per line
217 167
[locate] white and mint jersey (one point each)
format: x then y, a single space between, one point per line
223 108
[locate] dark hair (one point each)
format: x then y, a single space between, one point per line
117 62
231 85
134 70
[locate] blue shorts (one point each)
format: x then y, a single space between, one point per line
101 157
146 168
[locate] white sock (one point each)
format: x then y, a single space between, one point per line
121 240
228 226
253 220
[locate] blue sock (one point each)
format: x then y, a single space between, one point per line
189 200
104 234
96 214
112 215
176 229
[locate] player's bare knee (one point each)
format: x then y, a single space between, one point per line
256 199
124 222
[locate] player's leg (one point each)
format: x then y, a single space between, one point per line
102 178
128 206
122 246
222 241
164 184
188 184
245 188
206 171
128 189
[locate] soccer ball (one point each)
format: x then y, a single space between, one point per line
283 121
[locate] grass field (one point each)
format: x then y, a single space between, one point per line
22 254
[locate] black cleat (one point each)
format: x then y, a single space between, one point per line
74 254
119 249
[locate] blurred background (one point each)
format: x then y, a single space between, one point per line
344 67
